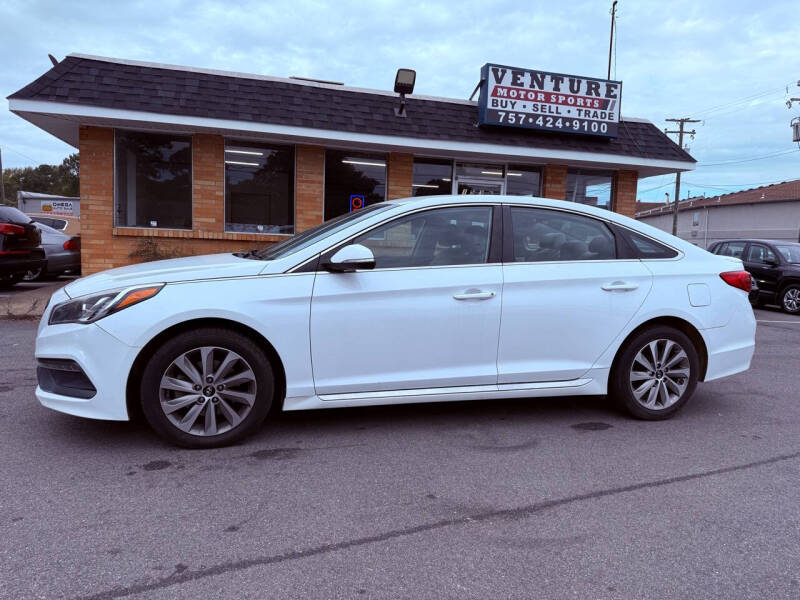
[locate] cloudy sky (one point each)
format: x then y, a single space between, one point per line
727 62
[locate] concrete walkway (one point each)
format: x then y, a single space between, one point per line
27 300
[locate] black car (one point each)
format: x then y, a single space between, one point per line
774 265
20 249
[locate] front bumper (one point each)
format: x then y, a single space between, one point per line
105 360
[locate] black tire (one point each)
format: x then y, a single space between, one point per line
620 385
222 339
10 281
786 305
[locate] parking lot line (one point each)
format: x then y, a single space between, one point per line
790 322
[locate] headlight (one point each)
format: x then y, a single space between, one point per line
88 309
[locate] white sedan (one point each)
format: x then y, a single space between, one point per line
418 300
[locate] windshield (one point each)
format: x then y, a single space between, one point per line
790 252
310 236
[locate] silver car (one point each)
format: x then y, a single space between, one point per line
62 251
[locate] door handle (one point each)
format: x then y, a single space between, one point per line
620 286
474 295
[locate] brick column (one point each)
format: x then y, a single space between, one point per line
309 186
554 182
208 182
625 184
96 147
401 175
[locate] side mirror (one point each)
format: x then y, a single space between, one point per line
773 263
350 258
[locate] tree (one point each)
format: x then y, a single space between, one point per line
61 180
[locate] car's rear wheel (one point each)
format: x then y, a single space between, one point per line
207 388
35 274
790 299
656 373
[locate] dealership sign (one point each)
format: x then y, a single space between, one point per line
63 208
514 97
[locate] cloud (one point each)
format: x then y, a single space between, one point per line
675 59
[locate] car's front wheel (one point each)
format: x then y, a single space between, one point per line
790 299
207 388
656 373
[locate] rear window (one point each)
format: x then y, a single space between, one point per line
9 214
647 248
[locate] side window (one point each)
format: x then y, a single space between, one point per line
647 248
540 234
760 254
444 236
735 249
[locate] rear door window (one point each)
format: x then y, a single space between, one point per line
734 249
540 235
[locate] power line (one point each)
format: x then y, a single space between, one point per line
7 147
744 160
741 100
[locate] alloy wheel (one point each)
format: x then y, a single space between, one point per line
32 274
207 391
660 374
791 300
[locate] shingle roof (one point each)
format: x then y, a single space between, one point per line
777 192
198 93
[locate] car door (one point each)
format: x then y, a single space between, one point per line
427 315
763 264
566 295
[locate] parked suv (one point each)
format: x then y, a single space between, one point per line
774 265
19 246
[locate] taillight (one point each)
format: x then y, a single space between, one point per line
72 244
738 279
11 229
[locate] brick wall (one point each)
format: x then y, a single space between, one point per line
401 175
103 246
625 184
554 182
309 186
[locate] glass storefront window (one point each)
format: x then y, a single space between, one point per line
594 188
523 181
351 175
259 188
152 180
432 176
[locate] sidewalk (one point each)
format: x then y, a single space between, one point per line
20 303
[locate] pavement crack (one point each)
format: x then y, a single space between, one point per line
521 512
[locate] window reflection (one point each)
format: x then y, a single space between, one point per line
350 175
153 180
590 187
259 188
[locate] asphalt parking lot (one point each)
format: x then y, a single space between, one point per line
553 498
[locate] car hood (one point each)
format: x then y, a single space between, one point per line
211 266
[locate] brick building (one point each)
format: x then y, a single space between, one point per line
179 161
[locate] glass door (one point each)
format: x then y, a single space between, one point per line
480 187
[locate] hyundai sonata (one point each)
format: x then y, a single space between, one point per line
419 300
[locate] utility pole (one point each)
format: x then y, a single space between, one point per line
681 123
611 38
2 181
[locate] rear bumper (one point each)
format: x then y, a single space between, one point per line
14 264
730 348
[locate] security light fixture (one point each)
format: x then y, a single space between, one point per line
404 84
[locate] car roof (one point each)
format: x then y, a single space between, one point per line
756 240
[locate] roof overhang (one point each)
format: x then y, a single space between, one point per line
64 119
